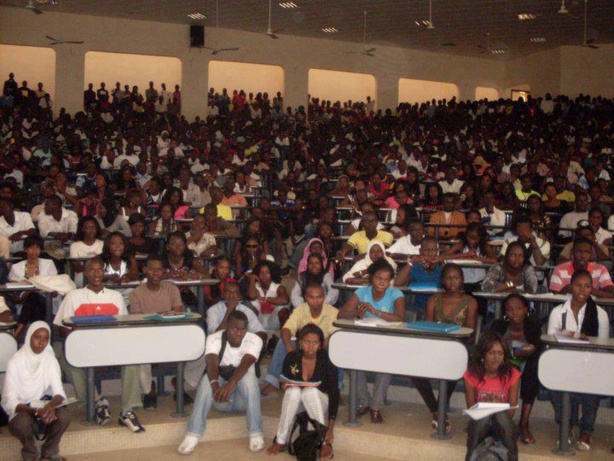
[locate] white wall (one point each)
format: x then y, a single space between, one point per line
549 71
492 94
587 70
131 69
251 78
419 91
29 63
341 86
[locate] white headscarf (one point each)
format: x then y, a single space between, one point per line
364 263
29 376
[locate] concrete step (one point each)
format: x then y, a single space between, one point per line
405 434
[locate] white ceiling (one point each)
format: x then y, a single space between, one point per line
464 23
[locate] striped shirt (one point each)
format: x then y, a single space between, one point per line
561 276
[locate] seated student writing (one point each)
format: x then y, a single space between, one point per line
150 298
409 245
85 301
31 374
580 317
308 364
490 377
230 384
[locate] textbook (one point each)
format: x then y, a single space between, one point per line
483 409
425 325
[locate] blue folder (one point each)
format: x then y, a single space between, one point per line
434 327
86 319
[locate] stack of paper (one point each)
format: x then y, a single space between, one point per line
483 409
566 337
375 322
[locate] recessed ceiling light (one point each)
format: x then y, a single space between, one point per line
197 16
288 5
526 16
330 30
538 39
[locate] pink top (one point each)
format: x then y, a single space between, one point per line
492 389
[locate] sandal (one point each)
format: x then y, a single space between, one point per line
362 410
526 437
376 417
435 424
329 456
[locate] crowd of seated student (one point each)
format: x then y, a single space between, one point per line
112 172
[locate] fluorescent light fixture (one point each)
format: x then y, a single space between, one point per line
498 51
526 16
538 39
288 5
424 22
330 30
197 16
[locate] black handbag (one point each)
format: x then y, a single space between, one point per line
307 446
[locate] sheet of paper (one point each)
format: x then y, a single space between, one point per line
567 337
484 409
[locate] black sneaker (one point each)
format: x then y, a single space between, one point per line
130 420
102 412
187 400
150 402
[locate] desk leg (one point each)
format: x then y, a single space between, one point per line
563 448
89 396
441 421
200 298
498 303
353 420
180 404
49 311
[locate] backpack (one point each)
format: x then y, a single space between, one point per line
489 450
306 447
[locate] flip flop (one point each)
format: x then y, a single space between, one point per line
526 437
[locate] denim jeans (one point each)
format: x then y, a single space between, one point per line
589 403
245 397
276 364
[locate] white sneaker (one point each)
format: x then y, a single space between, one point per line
256 444
189 444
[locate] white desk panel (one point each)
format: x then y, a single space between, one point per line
8 347
98 347
577 371
399 355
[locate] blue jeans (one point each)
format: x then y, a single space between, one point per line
245 397
590 405
276 364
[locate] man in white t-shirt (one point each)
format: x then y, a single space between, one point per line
16 225
230 383
410 244
95 299
451 183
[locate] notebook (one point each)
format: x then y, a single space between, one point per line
428 287
425 325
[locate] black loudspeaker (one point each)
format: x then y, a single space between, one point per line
197 36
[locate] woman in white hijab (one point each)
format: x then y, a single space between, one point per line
358 274
32 373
